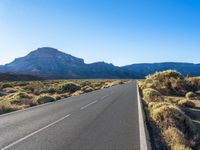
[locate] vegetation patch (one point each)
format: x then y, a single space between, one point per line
45 99
22 94
190 95
167 96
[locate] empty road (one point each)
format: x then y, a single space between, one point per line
101 120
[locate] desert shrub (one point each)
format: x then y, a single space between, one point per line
57 96
66 95
186 103
6 85
87 89
69 87
173 137
19 97
180 147
84 83
45 99
162 81
190 95
36 87
21 83
151 95
155 105
52 90
180 86
30 102
10 90
171 116
6 106
194 82
77 93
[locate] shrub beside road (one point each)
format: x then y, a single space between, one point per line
168 97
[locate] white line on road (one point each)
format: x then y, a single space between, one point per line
33 133
87 105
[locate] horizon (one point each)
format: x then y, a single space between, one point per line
102 60
117 32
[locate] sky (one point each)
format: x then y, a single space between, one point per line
121 32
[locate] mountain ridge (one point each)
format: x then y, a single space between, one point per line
51 63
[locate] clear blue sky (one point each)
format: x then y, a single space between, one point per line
116 31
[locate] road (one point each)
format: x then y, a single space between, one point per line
101 120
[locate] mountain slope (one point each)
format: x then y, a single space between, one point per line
142 70
44 60
51 63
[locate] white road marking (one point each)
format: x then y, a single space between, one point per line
35 132
87 105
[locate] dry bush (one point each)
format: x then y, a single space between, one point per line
165 82
180 147
77 93
190 95
155 105
10 90
84 83
173 137
36 87
151 95
6 85
45 99
57 96
171 116
194 82
186 103
69 87
6 106
87 89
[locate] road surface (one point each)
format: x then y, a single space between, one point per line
101 120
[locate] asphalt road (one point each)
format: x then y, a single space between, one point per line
101 120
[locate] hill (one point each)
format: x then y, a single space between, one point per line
144 69
50 63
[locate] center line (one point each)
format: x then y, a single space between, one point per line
87 105
35 132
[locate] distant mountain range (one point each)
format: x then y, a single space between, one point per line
50 63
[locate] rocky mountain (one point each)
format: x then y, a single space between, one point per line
142 70
50 63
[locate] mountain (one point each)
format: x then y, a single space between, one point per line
50 63
144 69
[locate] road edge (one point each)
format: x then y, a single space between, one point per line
145 143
